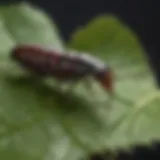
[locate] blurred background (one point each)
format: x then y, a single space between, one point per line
141 15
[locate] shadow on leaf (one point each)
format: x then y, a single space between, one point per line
71 109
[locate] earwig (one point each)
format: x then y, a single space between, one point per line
63 66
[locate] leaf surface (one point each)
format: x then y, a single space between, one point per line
134 114
39 122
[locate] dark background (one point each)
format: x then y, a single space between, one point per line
141 15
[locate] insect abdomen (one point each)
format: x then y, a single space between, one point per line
55 64
31 58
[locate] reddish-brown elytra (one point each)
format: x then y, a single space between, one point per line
63 66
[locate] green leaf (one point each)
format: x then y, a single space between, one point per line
23 24
134 114
40 122
36 121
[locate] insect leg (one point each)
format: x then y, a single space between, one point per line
70 84
73 82
65 85
88 83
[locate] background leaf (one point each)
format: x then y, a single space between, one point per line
134 115
39 122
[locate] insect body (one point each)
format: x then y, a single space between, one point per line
63 67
